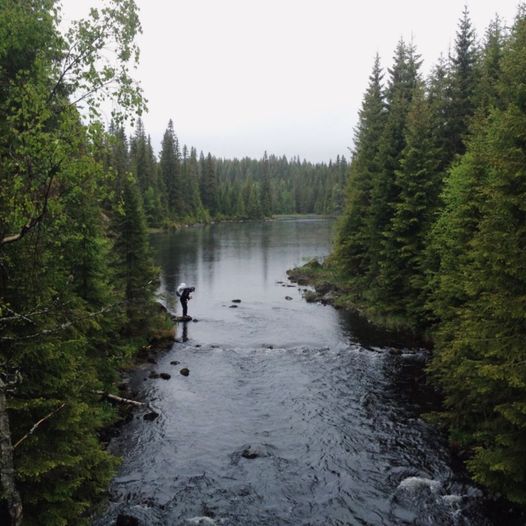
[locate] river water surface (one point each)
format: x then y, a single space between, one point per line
293 413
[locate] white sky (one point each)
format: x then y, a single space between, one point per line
239 77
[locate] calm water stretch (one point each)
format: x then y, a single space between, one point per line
293 413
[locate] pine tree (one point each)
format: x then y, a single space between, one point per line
266 191
463 79
354 236
209 193
385 193
479 360
135 267
170 170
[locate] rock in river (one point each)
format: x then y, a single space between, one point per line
236 301
126 520
185 371
165 376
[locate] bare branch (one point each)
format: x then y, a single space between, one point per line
92 91
33 222
39 423
120 400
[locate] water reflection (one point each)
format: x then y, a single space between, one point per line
292 413
239 260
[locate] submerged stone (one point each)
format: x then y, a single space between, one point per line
127 520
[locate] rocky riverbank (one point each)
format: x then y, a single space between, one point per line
323 284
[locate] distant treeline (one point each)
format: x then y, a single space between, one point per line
433 237
181 186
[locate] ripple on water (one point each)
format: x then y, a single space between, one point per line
299 435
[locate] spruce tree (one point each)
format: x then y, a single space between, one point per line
170 171
419 182
403 78
209 194
353 243
463 79
266 190
479 299
135 267
489 71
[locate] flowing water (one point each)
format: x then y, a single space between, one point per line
293 413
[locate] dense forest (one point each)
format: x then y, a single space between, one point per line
76 276
77 281
181 187
431 239
433 236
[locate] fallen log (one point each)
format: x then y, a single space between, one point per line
121 400
129 401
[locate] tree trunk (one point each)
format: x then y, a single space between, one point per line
10 502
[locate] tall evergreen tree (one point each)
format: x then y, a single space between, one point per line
209 185
170 170
135 266
419 182
354 234
463 79
489 71
481 288
266 190
384 194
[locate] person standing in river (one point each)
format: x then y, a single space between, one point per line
183 292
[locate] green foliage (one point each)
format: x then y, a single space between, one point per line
354 235
434 231
65 302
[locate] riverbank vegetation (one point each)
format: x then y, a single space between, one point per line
182 187
76 276
433 236
77 280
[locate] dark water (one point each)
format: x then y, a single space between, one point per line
329 411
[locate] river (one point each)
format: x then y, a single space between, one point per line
292 414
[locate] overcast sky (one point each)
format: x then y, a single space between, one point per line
239 77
